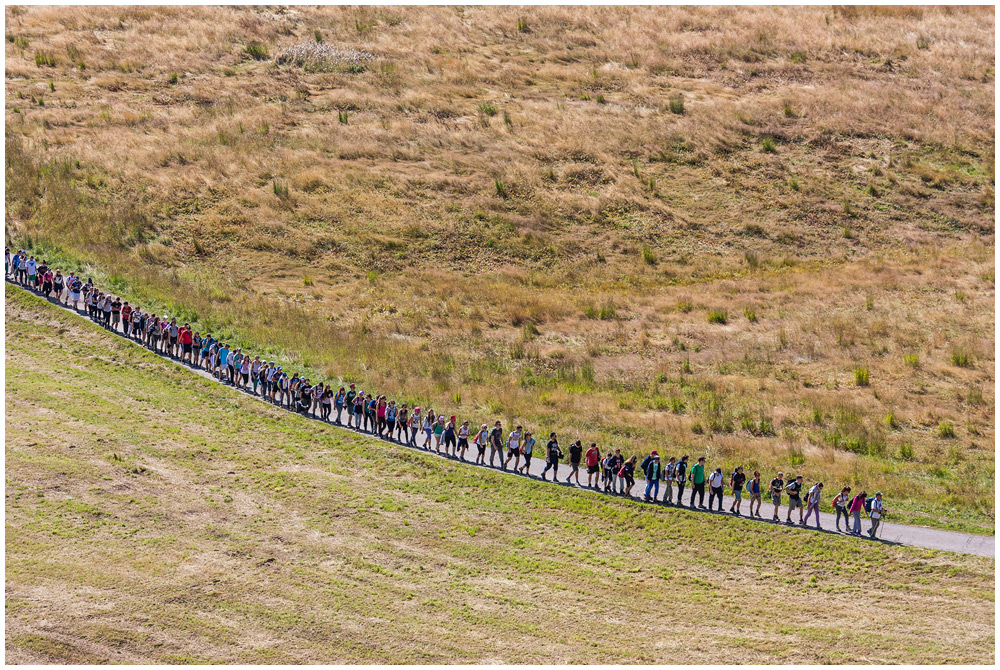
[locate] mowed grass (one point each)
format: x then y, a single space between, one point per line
152 516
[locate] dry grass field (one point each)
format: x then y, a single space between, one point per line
763 234
176 521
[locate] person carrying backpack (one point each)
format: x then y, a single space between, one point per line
553 454
875 511
715 488
593 465
855 507
813 499
840 503
794 489
652 471
697 478
736 480
680 475
669 474
627 475
753 489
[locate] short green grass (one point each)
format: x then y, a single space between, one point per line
153 516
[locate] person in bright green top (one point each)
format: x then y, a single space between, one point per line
697 477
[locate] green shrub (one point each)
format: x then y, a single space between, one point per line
697 428
52 86
318 36
786 109
608 311
797 57
686 366
487 108
522 25
945 430
961 357
173 78
648 257
891 421
501 188
342 117
913 360
750 314
767 146
718 316
280 189
906 451
256 51
684 305
861 376
676 104
43 59
600 99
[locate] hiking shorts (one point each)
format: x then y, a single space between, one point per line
793 503
738 494
592 469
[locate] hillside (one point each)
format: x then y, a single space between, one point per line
152 516
675 228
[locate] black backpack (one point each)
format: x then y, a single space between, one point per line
868 504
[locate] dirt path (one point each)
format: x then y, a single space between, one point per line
890 533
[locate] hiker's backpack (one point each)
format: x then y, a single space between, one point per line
868 504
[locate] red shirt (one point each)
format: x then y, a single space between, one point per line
593 456
185 336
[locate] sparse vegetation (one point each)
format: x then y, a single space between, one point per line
861 376
718 316
256 51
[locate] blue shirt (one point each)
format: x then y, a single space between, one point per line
223 355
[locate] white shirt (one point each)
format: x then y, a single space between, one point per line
715 480
876 509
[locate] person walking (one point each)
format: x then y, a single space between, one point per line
402 423
697 479
463 439
777 488
840 503
391 411
552 456
680 476
669 477
575 454
794 490
753 489
514 448
628 475
813 499
652 472
715 488
736 480
855 507
593 465
496 444
875 514
338 402
415 421
482 437
527 448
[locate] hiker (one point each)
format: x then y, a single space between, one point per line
855 507
715 488
615 466
669 477
794 490
697 479
875 512
840 503
753 488
514 448
527 449
736 480
390 418
680 476
402 423
482 437
326 403
575 454
449 438
463 438
628 475
349 405
812 500
652 472
496 444
777 487
553 454
593 465
428 428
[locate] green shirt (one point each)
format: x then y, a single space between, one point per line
698 474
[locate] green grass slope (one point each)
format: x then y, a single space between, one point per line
152 516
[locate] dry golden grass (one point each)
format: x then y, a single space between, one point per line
470 185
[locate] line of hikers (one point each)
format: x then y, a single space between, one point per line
383 417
